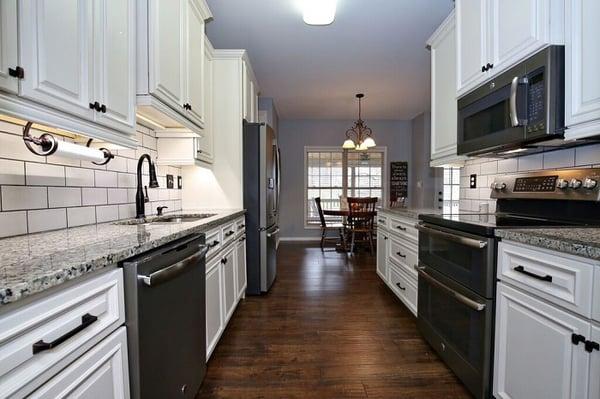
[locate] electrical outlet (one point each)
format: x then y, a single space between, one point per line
179 182
473 181
169 181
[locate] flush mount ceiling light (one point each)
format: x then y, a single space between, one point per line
318 12
359 137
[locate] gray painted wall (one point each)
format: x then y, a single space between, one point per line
294 135
426 180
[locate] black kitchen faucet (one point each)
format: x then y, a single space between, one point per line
141 197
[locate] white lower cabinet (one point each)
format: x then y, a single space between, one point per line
225 282
397 255
102 372
535 356
214 305
595 364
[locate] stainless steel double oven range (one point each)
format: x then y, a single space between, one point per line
457 263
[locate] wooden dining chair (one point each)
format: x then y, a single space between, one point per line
327 228
361 221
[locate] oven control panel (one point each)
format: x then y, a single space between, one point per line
572 184
539 184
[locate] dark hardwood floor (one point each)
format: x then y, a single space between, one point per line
329 328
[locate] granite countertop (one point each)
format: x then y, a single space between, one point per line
33 263
581 241
412 213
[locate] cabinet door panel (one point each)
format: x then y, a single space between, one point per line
595 365
214 305
167 51
535 357
205 144
241 266
8 44
114 62
471 36
229 283
519 28
195 62
382 265
582 58
56 52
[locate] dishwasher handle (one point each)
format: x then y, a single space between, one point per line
172 271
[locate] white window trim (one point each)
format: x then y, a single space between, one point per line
384 182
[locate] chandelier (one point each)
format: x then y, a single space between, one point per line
359 137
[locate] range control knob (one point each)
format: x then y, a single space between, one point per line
500 186
493 186
562 184
575 184
589 183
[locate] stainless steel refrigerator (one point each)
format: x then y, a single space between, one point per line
262 167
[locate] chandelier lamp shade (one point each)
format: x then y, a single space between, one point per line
359 137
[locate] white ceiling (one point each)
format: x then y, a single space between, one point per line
373 46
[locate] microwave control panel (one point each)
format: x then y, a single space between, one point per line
538 184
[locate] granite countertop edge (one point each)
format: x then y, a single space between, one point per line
584 242
39 282
412 213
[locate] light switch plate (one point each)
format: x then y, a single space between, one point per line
169 181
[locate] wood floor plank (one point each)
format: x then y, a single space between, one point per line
329 328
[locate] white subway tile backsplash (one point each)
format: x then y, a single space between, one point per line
81 216
489 168
163 195
13 223
106 179
94 196
117 195
132 165
46 219
41 174
149 142
508 165
587 155
107 213
22 197
118 164
126 180
531 162
78 177
126 211
559 159
12 172
13 148
62 197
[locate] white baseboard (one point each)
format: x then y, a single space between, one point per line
299 239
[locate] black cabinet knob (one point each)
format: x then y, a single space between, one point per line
489 66
483 68
103 109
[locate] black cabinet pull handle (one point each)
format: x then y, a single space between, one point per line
17 72
577 338
400 254
103 108
385 238
483 68
522 270
381 220
591 346
401 228
401 287
242 226
224 260
489 66
92 105
86 321
189 107
214 244
242 239
229 233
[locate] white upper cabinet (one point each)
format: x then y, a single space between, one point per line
167 51
582 81
114 62
250 93
8 46
56 45
493 35
205 144
443 94
195 63
170 83
471 43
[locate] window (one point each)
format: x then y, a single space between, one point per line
451 194
332 173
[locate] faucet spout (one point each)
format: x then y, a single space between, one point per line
140 198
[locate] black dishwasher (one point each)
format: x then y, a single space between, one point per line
166 321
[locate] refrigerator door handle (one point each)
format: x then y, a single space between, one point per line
272 233
277 178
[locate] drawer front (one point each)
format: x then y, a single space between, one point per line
404 286
382 220
228 233
404 254
214 241
240 225
102 372
562 279
596 308
405 228
73 320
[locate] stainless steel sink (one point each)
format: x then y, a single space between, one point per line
166 219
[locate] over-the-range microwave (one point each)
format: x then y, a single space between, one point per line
521 110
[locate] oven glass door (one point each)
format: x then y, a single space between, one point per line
465 258
486 124
458 324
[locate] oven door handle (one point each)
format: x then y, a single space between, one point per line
458 296
177 269
471 242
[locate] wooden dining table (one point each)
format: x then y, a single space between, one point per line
346 213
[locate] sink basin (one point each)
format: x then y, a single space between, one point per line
166 219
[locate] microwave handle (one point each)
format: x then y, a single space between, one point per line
514 113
